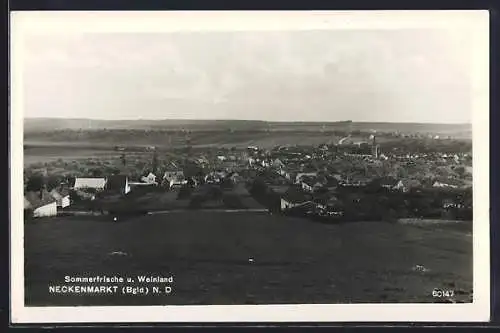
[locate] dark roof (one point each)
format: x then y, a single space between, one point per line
38 201
295 195
116 182
309 180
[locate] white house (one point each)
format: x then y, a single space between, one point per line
307 187
173 174
177 182
293 198
444 184
62 198
278 164
285 204
42 203
304 174
149 179
400 186
97 184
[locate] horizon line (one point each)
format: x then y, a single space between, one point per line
251 120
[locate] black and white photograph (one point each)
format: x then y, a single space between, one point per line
258 166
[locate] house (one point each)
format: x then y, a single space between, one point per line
301 175
411 184
202 160
307 183
447 183
329 204
355 181
448 203
177 182
283 173
62 197
278 164
42 203
391 183
172 174
235 177
318 185
228 165
149 179
97 184
82 195
118 183
306 186
292 198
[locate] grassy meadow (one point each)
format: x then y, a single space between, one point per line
294 260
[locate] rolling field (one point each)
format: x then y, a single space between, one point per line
198 139
294 260
50 154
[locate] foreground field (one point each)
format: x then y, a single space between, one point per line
294 260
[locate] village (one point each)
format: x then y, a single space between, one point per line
330 182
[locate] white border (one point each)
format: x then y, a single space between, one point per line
477 22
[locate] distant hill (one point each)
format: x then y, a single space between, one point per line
33 125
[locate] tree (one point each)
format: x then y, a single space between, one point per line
460 170
35 182
53 182
96 172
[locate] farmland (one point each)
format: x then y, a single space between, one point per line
294 260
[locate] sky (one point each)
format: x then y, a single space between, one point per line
400 75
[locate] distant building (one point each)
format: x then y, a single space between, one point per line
62 197
390 183
411 184
446 184
97 184
278 164
173 174
149 179
450 204
178 182
301 175
174 178
293 198
307 185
